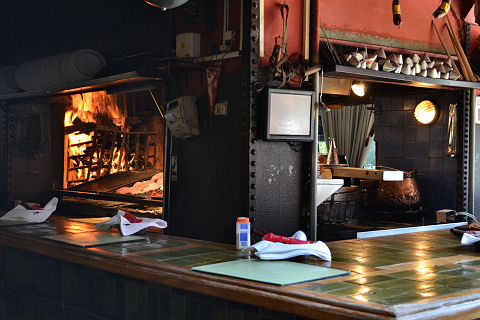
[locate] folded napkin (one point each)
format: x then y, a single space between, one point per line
267 250
129 224
20 213
470 237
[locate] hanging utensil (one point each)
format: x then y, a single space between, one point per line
452 131
322 104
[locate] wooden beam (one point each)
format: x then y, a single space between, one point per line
465 7
348 172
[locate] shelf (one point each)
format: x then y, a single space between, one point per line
124 82
339 71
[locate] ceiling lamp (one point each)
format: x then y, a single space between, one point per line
165 4
426 112
358 88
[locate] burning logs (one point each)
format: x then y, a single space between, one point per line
103 152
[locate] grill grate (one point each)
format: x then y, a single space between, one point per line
110 151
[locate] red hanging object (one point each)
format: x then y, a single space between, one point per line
214 71
442 10
397 13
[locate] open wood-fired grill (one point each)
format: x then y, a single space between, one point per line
108 156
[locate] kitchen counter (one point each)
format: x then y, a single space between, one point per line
425 275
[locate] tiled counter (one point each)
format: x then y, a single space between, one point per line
416 276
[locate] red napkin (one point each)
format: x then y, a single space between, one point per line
130 217
155 195
275 238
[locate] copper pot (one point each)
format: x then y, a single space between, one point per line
399 195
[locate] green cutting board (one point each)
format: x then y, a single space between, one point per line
274 272
93 238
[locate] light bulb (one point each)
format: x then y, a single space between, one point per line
426 112
358 88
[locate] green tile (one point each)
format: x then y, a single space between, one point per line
371 279
358 290
472 284
404 298
202 260
450 281
330 286
474 275
377 295
402 285
428 277
438 291
135 247
382 293
461 272
471 262
160 256
420 271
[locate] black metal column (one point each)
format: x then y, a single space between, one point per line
3 156
251 48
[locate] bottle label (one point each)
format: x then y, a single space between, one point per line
244 226
243 236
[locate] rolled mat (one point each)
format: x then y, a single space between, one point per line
59 70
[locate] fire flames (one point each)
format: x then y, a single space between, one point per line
102 110
94 107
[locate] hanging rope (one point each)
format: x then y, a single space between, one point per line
282 67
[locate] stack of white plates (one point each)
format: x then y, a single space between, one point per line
59 70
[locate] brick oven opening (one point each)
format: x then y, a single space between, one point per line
113 152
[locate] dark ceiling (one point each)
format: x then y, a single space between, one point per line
116 28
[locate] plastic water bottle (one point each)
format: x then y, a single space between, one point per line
243 232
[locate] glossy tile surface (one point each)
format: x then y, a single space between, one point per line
194 257
409 268
136 247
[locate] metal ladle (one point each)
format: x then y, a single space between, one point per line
452 131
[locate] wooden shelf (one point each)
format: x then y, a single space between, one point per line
129 81
339 71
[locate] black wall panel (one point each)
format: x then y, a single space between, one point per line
208 194
35 155
3 159
280 188
405 144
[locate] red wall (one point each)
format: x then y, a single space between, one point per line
194 81
369 21
273 27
